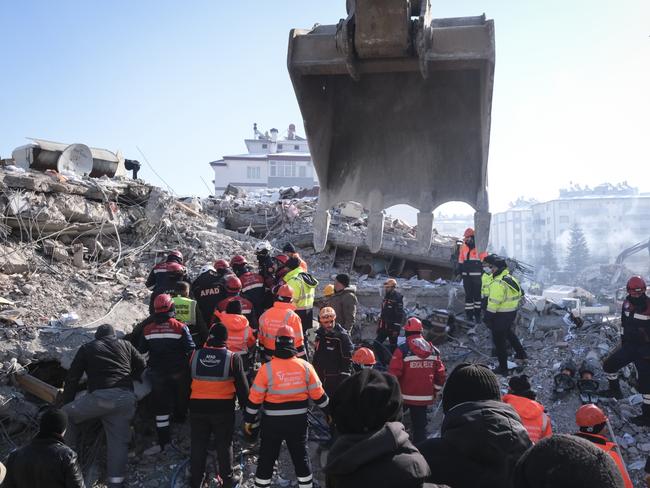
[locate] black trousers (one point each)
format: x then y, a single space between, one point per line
418 421
202 426
502 334
292 429
391 333
170 393
472 287
626 354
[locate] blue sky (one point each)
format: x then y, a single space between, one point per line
184 82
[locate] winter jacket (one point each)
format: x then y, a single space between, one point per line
241 338
333 356
165 275
480 444
252 288
303 286
392 310
344 303
247 308
44 462
169 345
635 320
533 416
382 459
108 362
420 372
610 448
208 290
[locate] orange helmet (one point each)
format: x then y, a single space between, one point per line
364 357
413 324
390 282
636 286
329 290
588 416
233 284
469 232
163 303
284 292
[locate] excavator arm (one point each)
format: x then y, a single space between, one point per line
396 107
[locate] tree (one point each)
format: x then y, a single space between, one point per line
548 256
578 252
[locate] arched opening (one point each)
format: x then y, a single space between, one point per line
452 218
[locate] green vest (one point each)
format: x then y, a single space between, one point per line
303 294
504 293
185 310
486 279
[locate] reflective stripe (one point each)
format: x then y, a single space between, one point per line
315 385
431 357
473 273
115 479
226 368
163 335
324 403
252 411
438 387
162 417
646 399
544 422
258 388
261 482
417 398
278 413
252 287
637 316
163 424
305 479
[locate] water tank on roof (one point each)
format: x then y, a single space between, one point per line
76 158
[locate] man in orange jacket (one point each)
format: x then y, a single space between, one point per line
471 270
593 423
281 313
533 415
284 387
241 337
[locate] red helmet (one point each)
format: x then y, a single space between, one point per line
175 255
636 286
285 331
238 260
282 259
413 325
285 292
590 415
233 284
364 357
221 264
469 232
163 303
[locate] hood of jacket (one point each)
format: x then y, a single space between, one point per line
526 408
346 291
354 452
419 346
227 318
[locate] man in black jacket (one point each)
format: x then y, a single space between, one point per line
333 351
46 461
391 317
481 437
111 365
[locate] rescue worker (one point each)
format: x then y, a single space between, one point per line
332 351
363 358
290 250
186 312
223 269
266 268
110 365
281 268
344 302
282 313
391 316
471 269
164 276
303 286
421 374
504 294
208 290
284 386
241 338
592 422
252 284
233 292
169 345
486 279
533 414
217 377
634 347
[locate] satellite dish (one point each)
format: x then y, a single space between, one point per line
76 158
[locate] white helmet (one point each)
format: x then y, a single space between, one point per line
263 246
206 268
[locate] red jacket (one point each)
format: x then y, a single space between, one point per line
420 371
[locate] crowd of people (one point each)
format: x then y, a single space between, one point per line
239 337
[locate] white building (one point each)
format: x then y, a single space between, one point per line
269 163
613 217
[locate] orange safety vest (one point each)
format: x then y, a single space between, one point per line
286 381
240 335
211 374
532 415
610 448
275 317
471 260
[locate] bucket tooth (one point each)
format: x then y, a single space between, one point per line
375 231
424 230
482 228
321 224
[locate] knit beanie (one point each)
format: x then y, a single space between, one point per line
53 422
218 335
104 330
566 461
288 247
469 383
234 307
343 279
365 401
520 386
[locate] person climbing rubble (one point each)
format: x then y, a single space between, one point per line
208 290
421 375
391 316
284 386
241 337
633 348
332 351
592 423
164 276
303 286
252 283
186 312
282 313
110 365
471 269
504 294
344 302
46 461
169 344
218 376
233 293
533 415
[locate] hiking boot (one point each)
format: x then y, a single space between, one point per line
501 371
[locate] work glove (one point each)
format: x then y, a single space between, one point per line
248 428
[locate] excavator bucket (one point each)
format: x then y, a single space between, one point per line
396 107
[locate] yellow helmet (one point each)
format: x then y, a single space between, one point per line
329 290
